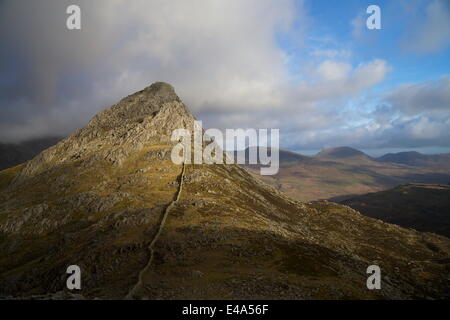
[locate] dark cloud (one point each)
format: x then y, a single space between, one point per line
217 55
224 63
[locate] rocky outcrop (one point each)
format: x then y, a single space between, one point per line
147 117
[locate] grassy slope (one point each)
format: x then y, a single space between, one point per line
74 228
228 237
232 245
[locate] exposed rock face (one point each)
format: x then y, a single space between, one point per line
145 117
109 199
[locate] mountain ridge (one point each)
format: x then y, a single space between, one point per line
341 153
97 200
147 116
413 158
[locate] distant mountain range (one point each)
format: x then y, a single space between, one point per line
417 159
340 173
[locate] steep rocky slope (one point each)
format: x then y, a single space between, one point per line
109 199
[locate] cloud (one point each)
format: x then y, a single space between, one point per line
332 70
341 79
425 128
226 65
430 33
332 53
358 24
429 97
409 116
401 133
217 54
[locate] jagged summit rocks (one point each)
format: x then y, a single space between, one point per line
162 91
147 117
103 196
139 106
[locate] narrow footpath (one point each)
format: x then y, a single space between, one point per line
138 285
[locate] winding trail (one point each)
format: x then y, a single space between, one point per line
131 294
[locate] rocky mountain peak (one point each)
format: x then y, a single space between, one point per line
144 118
140 105
162 91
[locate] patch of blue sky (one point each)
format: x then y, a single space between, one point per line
336 30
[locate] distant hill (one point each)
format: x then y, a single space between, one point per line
285 156
343 172
289 156
14 154
413 158
341 153
418 206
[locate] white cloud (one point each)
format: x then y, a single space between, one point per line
358 24
410 116
331 70
340 80
332 53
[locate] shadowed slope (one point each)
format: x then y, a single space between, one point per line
418 206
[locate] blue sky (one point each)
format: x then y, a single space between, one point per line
309 68
333 19
329 27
